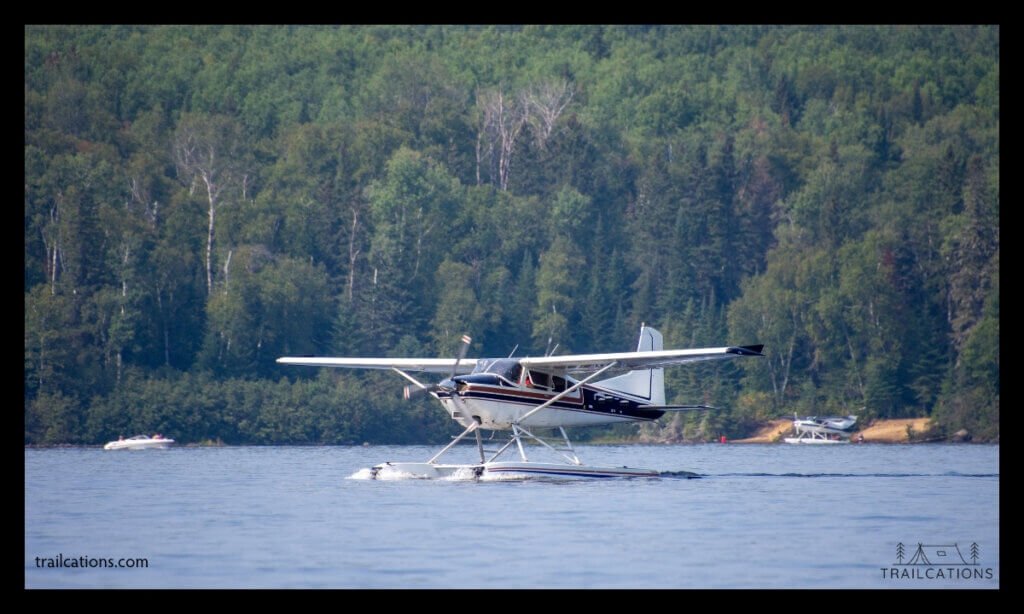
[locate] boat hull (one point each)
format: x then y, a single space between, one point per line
151 444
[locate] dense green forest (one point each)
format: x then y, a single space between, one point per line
202 200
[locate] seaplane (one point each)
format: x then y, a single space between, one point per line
822 430
521 396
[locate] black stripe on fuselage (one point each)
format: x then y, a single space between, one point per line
594 401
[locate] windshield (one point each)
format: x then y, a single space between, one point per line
507 368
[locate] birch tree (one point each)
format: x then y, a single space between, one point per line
503 117
205 152
545 102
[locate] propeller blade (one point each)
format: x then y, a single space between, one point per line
466 340
446 385
410 392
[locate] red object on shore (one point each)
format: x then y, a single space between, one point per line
723 438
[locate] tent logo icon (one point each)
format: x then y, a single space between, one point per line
946 562
931 555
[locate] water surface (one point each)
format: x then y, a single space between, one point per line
758 516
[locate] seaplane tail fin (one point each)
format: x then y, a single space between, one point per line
650 340
646 383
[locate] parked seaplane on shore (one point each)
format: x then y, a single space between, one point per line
822 430
522 395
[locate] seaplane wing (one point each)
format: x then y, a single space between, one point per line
429 365
575 363
583 363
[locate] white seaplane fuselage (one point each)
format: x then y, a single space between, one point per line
499 393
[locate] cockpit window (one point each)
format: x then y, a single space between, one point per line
482 365
507 368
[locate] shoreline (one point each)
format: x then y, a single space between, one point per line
900 431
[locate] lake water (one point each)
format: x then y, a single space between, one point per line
758 516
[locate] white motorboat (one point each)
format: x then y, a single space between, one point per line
822 430
140 442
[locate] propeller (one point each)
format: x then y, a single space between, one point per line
447 385
462 354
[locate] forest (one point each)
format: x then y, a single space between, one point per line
201 200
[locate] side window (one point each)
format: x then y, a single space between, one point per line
558 383
540 380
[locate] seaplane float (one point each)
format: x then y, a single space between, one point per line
140 442
822 430
521 396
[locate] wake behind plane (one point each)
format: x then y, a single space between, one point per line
521 395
